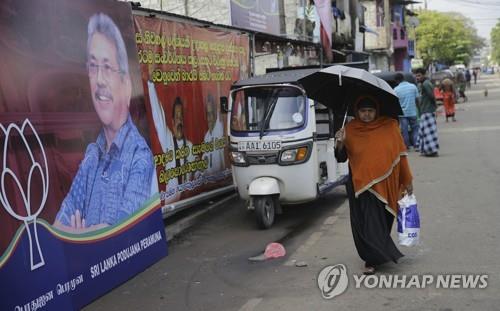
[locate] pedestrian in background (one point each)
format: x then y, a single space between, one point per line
428 143
408 95
467 78
449 100
461 81
474 73
376 182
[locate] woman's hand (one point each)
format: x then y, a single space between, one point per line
406 190
339 138
409 189
340 135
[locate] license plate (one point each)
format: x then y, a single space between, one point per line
259 145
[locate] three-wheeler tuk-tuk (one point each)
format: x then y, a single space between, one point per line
281 143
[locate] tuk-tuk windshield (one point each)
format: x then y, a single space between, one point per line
267 108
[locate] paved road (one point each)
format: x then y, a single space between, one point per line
208 267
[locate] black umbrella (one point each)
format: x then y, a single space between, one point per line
337 86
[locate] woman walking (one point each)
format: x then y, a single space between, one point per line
449 100
379 174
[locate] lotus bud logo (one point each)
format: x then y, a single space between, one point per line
37 171
333 281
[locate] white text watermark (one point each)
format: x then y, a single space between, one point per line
334 280
446 281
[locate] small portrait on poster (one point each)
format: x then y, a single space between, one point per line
182 146
215 131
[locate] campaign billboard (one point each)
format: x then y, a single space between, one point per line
186 69
79 202
258 15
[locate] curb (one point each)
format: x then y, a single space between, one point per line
178 227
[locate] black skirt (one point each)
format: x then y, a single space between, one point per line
371 227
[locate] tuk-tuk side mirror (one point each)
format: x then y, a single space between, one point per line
224 104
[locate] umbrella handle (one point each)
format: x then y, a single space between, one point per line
345 116
343 124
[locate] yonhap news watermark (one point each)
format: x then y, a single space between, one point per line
446 281
333 280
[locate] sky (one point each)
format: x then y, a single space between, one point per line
484 13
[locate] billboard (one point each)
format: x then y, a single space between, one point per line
257 15
79 202
185 71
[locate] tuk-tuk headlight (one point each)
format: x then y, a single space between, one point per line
294 155
288 155
238 158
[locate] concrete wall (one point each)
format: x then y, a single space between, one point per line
344 26
379 61
359 37
264 61
372 41
291 7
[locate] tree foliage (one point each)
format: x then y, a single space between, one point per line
449 38
495 43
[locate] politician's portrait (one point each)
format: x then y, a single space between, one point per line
115 176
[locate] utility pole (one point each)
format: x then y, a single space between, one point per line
425 4
388 32
281 7
304 22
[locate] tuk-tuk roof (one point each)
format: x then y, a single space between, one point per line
277 77
293 75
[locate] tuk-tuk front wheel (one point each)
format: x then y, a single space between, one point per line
264 210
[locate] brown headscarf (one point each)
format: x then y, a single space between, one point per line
378 158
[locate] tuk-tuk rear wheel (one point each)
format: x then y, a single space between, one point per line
264 211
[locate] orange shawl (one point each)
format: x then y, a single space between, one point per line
378 159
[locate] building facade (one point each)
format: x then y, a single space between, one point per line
294 41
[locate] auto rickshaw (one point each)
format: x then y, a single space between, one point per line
281 144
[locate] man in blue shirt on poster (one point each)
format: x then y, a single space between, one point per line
408 95
115 177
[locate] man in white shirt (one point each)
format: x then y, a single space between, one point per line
215 131
166 140
180 141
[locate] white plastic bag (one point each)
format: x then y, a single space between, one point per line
408 221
